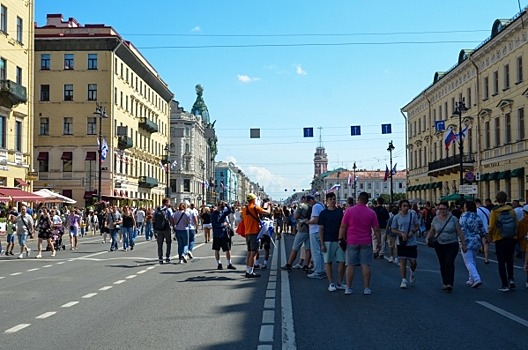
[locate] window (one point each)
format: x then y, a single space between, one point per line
497 132
92 92
91 126
468 105
495 83
507 122
3 19
44 92
520 127
3 122
122 70
45 61
19 30
519 69
115 96
19 75
506 77
487 133
186 185
3 69
486 88
68 126
92 61
121 99
18 136
67 164
43 163
68 61
126 75
68 92
44 126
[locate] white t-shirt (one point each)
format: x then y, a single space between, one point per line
316 210
484 215
193 213
140 215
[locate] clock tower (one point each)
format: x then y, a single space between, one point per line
320 161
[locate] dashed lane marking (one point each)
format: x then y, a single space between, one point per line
288 330
89 295
70 304
61 262
35 269
18 327
142 271
46 315
47 266
15 274
119 282
504 313
130 277
266 333
105 288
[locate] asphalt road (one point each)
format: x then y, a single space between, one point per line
94 299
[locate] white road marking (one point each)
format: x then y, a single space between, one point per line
265 347
119 282
288 330
105 288
61 262
89 295
46 315
150 267
47 266
130 277
142 271
268 316
266 333
70 304
272 285
16 274
2 277
17 328
504 313
35 269
269 303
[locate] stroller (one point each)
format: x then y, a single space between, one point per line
56 236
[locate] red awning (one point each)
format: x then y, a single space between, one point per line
43 156
17 195
21 182
91 155
67 156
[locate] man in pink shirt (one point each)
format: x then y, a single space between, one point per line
358 223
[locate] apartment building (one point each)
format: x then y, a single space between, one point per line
489 80
16 85
92 84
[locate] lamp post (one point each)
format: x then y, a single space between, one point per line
167 172
460 107
390 149
355 181
100 111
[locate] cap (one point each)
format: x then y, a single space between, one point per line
525 208
309 197
250 197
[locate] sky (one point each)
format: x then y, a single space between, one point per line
282 66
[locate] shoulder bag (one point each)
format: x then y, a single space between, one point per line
433 241
402 242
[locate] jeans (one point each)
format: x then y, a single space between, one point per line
167 237
447 254
190 238
148 230
183 242
505 249
471 264
115 238
140 227
317 255
128 237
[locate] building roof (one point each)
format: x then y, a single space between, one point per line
368 174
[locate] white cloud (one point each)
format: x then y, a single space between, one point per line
299 70
196 29
246 79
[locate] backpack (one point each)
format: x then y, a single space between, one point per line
507 224
161 223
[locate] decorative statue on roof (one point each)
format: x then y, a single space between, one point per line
199 108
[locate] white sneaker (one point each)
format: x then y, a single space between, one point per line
21 256
396 261
403 284
297 266
28 251
342 286
391 259
348 291
332 287
38 256
367 291
412 279
53 253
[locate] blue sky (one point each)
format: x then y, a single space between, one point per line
283 65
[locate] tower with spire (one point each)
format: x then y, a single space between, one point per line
320 157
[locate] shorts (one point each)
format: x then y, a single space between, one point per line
333 253
265 242
207 225
252 243
74 232
11 238
223 243
45 235
407 251
22 239
359 254
300 238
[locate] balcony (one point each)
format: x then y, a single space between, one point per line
125 142
12 94
147 182
148 125
451 165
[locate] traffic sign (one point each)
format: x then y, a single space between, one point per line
468 189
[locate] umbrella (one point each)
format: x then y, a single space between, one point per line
454 197
53 197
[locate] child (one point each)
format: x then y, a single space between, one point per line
10 229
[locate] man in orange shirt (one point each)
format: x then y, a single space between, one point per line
251 217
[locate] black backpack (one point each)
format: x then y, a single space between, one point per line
160 222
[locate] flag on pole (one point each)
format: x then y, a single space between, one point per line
393 172
173 164
462 135
162 166
449 137
104 149
334 188
349 181
206 184
386 173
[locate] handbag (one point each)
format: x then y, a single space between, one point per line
241 229
433 241
402 242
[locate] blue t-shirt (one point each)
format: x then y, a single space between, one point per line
330 220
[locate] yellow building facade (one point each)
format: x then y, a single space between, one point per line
491 82
16 99
80 70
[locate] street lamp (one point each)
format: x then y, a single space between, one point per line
167 171
390 149
100 111
460 107
355 181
